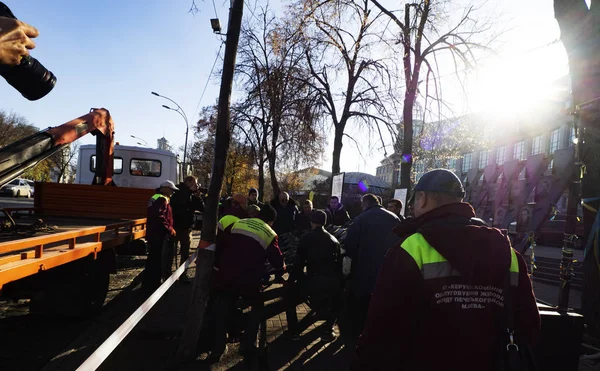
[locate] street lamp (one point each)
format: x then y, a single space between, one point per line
187 126
146 143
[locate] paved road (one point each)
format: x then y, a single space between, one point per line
15 202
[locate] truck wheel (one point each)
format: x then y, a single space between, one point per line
75 290
18 194
96 287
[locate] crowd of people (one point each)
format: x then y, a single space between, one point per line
439 278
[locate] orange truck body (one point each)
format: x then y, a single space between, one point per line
91 219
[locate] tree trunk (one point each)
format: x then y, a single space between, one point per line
581 39
407 144
337 147
261 180
273 175
204 262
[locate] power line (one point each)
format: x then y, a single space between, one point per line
209 76
215 8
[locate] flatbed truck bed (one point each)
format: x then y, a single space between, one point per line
65 247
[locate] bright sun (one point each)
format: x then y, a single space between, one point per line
516 84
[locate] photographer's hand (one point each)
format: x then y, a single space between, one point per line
15 40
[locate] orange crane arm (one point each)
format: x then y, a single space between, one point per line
25 153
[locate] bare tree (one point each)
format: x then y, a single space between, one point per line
279 115
341 39
14 127
62 162
424 36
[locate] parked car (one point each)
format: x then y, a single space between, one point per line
17 188
32 186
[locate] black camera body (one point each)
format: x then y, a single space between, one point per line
30 77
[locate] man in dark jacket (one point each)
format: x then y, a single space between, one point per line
369 238
287 211
303 220
395 206
319 252
253 197
336 213
250 243
184 203
440 296
159 227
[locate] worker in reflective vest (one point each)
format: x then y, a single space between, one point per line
250 243
159 227
438 301
224 230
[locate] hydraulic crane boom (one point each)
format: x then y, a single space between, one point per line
25 153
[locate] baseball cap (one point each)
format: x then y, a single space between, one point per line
441 181
318 217
240 198
169 184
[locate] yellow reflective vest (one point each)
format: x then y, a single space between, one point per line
433 265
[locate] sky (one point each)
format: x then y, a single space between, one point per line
114 53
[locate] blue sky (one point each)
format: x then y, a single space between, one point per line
113 53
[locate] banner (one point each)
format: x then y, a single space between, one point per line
400 194
337 184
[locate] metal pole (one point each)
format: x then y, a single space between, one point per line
566 263
187 126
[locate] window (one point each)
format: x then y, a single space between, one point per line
143 167
554 140
467 159
483 158
519 150
572 138
117 165
536 145
452 164
500 155
419 170
14 182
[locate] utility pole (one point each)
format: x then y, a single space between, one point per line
204 261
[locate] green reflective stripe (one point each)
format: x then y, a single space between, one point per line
432 264
421 251
438 270
256 229
514 268
156 197
514 262
226 221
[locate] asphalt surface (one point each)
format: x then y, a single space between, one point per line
8 202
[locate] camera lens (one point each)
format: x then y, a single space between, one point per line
30 78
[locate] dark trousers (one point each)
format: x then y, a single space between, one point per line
184 236
324 294
358 308
224 310
154 266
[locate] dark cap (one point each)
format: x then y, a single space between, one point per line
441 181
318 217
252 190
268 213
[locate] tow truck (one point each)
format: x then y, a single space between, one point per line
60 253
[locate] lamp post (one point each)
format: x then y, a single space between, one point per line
187 126
145 143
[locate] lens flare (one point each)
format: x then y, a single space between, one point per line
363 185
406 157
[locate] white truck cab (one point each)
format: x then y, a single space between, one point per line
135 167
